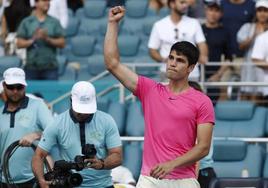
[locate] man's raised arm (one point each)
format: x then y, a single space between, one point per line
111 53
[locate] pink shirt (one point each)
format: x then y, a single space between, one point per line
171 124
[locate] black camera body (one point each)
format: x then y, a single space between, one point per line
62 177
89 152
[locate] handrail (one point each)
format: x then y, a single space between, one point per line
67 94
243 139
203 83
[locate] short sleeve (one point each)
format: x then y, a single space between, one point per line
44 115
205 112
112 136
243 33
199 35
49 138
143 86
154 40
58 30
22 31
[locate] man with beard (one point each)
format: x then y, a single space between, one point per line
178 119
21 118
173 28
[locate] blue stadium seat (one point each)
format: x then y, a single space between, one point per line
91 27
135 120
237 159
8 62
81 47
239 119
164 12
265 167
94 9
128 47
147 71
118 111
62 106
133 157
96 64
103 104
236 182
62 61
72 27
136 9
69 74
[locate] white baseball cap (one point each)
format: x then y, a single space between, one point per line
262 3
84 98
14 75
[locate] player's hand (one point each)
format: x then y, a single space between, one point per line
116 13
161 170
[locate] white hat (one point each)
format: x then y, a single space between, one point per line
14 76
84 98
262 3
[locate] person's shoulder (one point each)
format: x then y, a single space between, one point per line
199 96
103 115
53 20
28 19
163 21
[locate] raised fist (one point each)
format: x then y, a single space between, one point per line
116 14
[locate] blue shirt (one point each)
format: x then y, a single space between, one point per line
32 116
100 131
234 16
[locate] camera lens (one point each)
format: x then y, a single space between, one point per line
75 179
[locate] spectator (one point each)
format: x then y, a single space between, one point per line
74 5
122 177
170 148
246 37
235 14
196 9
176 27
22 118
260 56
218 44
14 13
156 5
41 35
57 9
72 130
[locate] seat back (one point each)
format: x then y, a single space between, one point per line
237 159
236 182
239 119
135 120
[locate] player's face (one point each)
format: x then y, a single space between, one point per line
178 67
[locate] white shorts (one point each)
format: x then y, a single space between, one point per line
150 182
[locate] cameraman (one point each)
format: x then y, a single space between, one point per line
82 124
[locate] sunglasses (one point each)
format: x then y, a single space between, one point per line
15 86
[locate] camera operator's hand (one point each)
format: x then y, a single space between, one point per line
95 163
44 184
28 139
